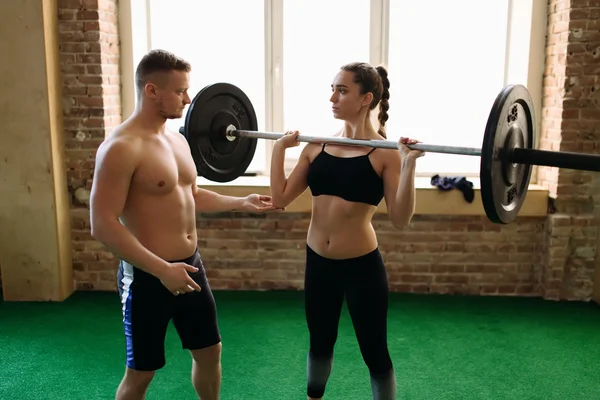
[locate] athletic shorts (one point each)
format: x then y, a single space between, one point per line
148 307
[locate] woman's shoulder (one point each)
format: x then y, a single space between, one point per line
311 150
388 156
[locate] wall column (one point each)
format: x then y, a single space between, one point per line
35 239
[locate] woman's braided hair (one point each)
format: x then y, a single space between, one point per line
374 80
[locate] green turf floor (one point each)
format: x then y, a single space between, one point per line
443 348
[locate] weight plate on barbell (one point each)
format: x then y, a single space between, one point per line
214 108
503 183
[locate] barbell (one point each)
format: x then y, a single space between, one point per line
222 131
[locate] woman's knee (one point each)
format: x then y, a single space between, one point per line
322 346
380 365
377 358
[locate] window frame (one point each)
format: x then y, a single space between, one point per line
525 51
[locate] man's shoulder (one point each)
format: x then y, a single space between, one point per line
121 142
179 137
126 131
122 136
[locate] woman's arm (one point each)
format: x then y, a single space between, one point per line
399 183
285 190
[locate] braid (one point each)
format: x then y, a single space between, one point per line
384 106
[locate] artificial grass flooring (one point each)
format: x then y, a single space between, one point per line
443 347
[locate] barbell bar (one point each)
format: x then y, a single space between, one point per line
222 130
570 160
232 134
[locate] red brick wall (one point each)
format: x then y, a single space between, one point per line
571 123
550 257
89 48
437 254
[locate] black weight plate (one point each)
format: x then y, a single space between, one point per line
511 124
214 108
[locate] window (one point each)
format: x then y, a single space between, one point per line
446 65
445 73
312 55
221 45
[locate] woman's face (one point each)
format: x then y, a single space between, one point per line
346 99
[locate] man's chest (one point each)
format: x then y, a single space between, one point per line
166 164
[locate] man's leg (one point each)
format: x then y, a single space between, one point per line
206 372
195 319
134 384
146 314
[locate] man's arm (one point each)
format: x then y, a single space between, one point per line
206 200
116 162
209 201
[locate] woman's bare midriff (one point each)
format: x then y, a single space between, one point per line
164 223
340 229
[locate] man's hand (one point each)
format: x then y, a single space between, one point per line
257 203
175 278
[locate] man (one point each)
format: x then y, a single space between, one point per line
143 207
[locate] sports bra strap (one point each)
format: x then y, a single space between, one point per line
372 150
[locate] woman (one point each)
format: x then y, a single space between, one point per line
342 255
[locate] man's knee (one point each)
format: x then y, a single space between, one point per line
207 356
134 384
139 379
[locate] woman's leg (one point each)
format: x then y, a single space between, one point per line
367 296
324 297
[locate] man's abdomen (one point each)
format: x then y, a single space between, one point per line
164 224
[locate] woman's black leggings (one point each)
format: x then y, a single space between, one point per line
363 282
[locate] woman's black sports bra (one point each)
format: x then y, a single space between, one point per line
351 178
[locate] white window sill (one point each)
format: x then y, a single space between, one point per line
430 200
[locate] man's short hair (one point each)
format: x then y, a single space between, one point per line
158 61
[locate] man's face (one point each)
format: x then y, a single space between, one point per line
172 95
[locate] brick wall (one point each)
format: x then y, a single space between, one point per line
436 254
550 257
571 123
89 48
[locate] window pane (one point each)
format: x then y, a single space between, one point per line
318 38
446 67
221 45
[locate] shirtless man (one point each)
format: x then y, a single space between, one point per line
143 208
